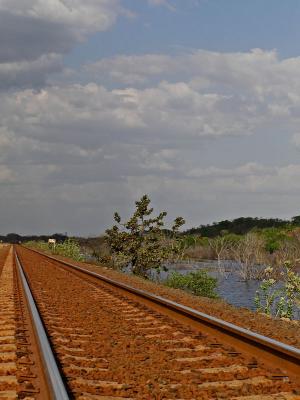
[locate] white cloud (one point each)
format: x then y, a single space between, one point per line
36 33
31 74
296 140
146 129
165 3
83 144
243 171
239 91
258 73
6 175
83 17
90 114
51 26
131 69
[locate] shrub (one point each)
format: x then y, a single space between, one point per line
273 238
279 298
40 245
140 243
198 283
69 248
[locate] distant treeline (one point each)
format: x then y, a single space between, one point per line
241 226
16 238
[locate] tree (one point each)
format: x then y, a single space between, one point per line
296 220
140 242
220 246
249 253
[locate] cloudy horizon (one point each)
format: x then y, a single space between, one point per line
103 101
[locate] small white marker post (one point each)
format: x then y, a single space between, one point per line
52 242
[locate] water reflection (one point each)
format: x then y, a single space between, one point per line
230 287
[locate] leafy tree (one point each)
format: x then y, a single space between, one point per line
273 237
140 242
240 226
296 220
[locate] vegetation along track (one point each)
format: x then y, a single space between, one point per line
113 343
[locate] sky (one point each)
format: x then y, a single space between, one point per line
193 102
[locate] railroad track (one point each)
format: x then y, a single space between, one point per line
112 341
25 369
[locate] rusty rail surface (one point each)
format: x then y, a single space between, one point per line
270 351
50 369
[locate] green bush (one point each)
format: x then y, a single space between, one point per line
198 283
40 245
273 238
279 298
140 243
69 248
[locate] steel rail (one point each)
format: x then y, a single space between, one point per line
272 350
54 378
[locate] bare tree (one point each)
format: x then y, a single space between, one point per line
289 250
249 253
220 245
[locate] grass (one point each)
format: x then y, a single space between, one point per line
69 248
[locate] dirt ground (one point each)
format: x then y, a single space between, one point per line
278 329
110 346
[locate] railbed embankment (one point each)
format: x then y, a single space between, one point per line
112 345
282 330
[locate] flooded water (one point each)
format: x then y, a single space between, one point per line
230 286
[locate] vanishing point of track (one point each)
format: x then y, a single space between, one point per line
111 341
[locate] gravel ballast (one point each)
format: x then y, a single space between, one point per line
283 330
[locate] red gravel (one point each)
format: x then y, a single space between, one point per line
282 330
21 375
4 250
109 345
